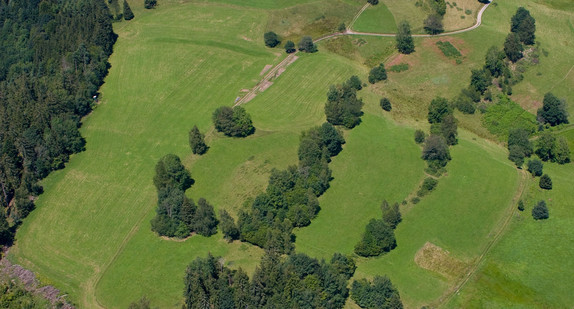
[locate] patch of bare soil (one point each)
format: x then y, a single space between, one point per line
265 69
266 84
29 282
435 258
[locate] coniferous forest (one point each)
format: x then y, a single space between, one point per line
54 59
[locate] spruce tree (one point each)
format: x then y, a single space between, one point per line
197 141
128 14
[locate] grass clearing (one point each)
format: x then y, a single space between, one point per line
376 18
499 118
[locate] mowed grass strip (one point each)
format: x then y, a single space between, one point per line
377 18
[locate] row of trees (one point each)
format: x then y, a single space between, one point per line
548 147
381 293
306 44
176 214
290 199
54 58
296 281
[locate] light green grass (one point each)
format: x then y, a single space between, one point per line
531 267
376 18
406 10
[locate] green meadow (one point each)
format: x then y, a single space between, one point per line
173 66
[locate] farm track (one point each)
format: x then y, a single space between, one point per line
261 85
499 231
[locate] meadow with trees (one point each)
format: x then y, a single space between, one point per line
230 162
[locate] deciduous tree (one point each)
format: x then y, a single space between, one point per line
271 39
197 141
405 43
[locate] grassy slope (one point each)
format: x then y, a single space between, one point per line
376 18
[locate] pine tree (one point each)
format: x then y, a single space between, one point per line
197 141
128 14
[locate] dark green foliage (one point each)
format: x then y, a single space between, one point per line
513 48
405 43
354 82
379 294
494 61
167 220
290 199
343 107
398 68
429 184
480 80
13 294
545 146
377 74
373 2
306 45
290 47
271 39
391 214
204 221
128 14
438 109
553 110
521 205
535 167
235 122
439 6
342 27
545 182
343 265
464 104
540 211
150 4
519 146
54 58
484 1
435 151
296 281
386 104
6 234
524 25
170 173
561 151
377 238
228 227
448 129
419 136
197 141
433 24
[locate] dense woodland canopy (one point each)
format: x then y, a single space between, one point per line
54 58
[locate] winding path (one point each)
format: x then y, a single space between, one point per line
263 83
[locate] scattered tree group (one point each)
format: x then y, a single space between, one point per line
377 74
296 281
379 294
235 122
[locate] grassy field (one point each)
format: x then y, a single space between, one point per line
377 19
172 66
532 265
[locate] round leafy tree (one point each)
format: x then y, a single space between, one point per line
545 182
540 211
271 39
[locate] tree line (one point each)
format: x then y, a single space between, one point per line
54 59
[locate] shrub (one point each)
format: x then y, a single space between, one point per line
150 4
380 294
306 45
429 184
540 211
419 136
521 205
290 47
545 182
448 49
271 39
386 104
377 73
535 167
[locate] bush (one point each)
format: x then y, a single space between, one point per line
545 182
398 68
391 214
540 211
429 184
290 47
234 122
150 4
419 136
386 104
377 238
377 73
535 167
521 205
306 45
435 151
271 39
